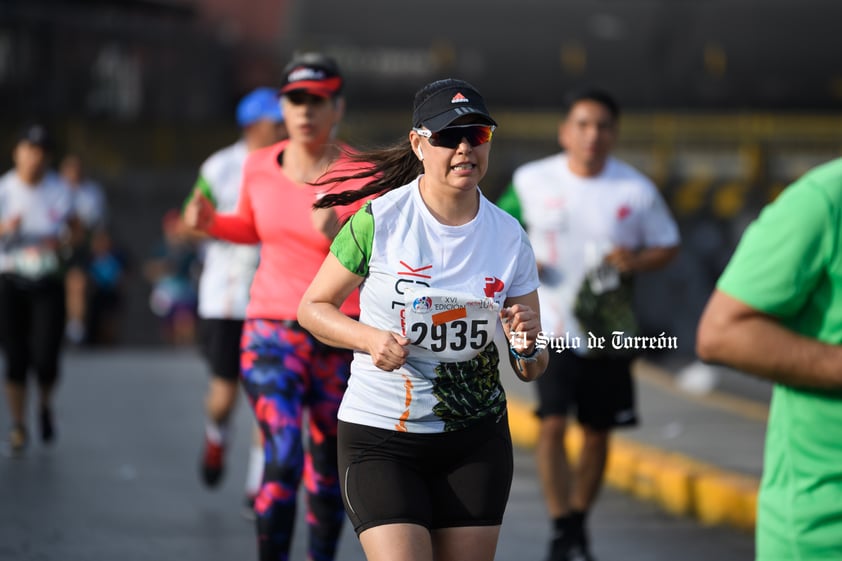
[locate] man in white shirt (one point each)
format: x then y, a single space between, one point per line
594 222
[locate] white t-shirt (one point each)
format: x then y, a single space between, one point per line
228 268
573 222
442 286
89 204
44 210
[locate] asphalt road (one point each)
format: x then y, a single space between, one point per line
121 483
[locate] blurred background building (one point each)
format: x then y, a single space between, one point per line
725 101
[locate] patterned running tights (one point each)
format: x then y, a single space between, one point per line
286 371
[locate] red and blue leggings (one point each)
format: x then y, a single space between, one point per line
285 370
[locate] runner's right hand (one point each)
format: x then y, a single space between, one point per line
389 350
199 212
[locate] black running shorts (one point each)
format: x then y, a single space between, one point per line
441 480
219 340
601 390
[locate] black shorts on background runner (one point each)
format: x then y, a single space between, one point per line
219 341
600 390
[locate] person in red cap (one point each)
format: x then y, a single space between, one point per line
424 446
284 369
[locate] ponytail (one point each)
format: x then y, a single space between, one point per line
388 168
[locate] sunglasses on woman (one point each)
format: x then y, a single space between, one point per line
451 137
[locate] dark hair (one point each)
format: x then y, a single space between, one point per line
591 94
388 168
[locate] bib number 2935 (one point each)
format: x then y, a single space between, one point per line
448 326
455 336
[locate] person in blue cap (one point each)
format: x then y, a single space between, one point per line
225 280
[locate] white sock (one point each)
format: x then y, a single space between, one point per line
254 475
215 432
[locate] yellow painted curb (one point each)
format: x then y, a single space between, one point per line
680 485
523 424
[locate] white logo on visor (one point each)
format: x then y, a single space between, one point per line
305 73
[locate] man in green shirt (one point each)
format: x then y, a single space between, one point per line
777 313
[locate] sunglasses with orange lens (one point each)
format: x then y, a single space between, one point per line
451 137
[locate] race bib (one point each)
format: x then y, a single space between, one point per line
34 263
448 326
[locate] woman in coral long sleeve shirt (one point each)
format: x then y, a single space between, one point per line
283 368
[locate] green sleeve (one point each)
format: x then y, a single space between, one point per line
783 254
509 202
204 187
352 245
